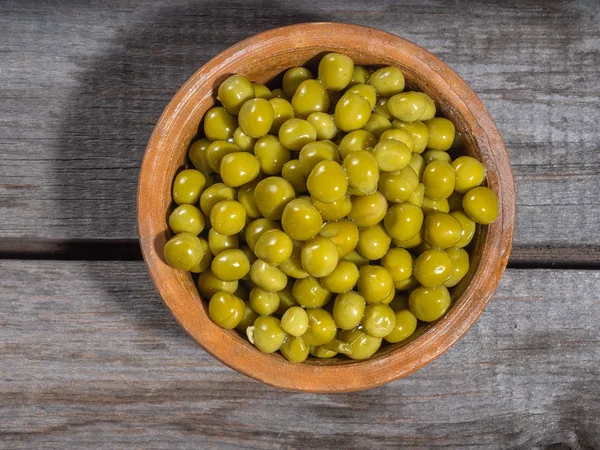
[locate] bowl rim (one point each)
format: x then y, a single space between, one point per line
274 370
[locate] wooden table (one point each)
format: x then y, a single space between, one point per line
90 357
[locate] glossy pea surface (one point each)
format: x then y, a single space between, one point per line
429 303
368 210
481 205
228 217
301 220
296 133
234 92
335 71
183 251
226 310
256 117
186 219
433 267
327 182
310 96
188 186
387 81
219 124
272 195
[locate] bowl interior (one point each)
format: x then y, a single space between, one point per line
262 59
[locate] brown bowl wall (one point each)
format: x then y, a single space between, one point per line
261 58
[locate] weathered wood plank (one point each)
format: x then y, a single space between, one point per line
90 358
82 87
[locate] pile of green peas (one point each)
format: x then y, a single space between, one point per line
326 216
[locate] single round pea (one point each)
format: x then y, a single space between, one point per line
197 155
282 112
438 179
244 142
460 265
296 133
271 155
374 283
219 125
292 79
261 91
344 234
309 293
362 171
398 186
230 265
430 109
256 117
398 134
228 217
188 186
407 285
387 81
481 205
379 320
266 334
348 310
301 220
363 346
295 321
442 230
216 151
403 221
255 229
429 303
272 195
360 74
234 92
319 256
406 324
436 155
468 228
226 310
432 267
373 242
208 284
324 124
398 263
429 205
335 71
183 251
293 172
410 243
215 194
327 182
274 247
239 168
335 210
366 91
441 133
245 196
310 96
315 152
294 349
407 106
352 112
248 318
419 132
264 302
356 140
342 279
218 242
206 258
382 109
321 327
392 155
416 198
186 219
292 266
368 210
417 163
267 277
377 124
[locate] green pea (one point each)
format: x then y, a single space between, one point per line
278 93
310 96
230 265
228 217
267 277
272 195
436 155
429 112
244 142
293 172
355 141
429 303
292 266
481 205
377 124
373 242
315 152
219 125
460 265
295 321
362 345
188 186
407 106
368 210
294 349
442 230
348 310
379 320
352 112
183 251
321 327
239 168
296 133
213 195
324 124
335 71
343 233
406 324
360 75
403 221
282 111
366 91
441 133
301 220
226 310
398 186
319 351
286 299
186 219
206 259
197 155
362 171
261 91
469 172
439 180
220 242
382 109
398 134
233 92
432 267
264 302
245 196
309 293
418 195
387 81
319 256
209 284
342 279
392 155
271 155
274 247
248 318
398 263
327 182
419 132
292 79
216 151
256 117
429 205
335 210
468 228
266 334
374 283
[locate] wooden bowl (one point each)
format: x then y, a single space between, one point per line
261 58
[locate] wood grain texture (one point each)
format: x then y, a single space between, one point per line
91 358
83 86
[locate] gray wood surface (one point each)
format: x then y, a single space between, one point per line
91 358
81 87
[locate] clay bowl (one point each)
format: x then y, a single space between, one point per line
261 58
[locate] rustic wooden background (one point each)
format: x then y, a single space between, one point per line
89 356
